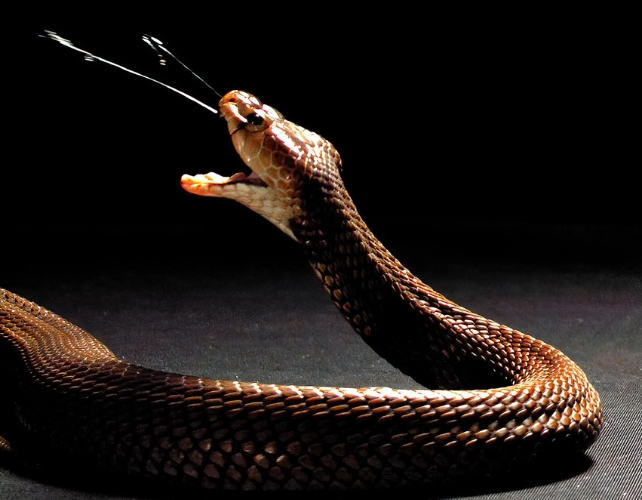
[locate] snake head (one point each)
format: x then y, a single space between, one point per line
281 155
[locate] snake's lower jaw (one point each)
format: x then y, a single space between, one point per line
248 190
202 184
213 184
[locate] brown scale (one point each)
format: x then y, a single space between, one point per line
72 401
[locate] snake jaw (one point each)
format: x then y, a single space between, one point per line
249 190
211 184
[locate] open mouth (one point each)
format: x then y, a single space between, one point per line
247 179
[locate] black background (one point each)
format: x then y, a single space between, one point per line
440 118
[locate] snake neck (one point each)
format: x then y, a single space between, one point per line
397 314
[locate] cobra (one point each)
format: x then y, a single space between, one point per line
71 398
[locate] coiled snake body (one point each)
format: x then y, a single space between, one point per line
70 398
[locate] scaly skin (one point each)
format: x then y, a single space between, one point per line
72 399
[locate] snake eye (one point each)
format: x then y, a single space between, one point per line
254 119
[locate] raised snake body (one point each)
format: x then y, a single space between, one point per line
70 398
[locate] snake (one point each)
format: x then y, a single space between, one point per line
499 398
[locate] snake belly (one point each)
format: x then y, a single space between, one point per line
504 397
